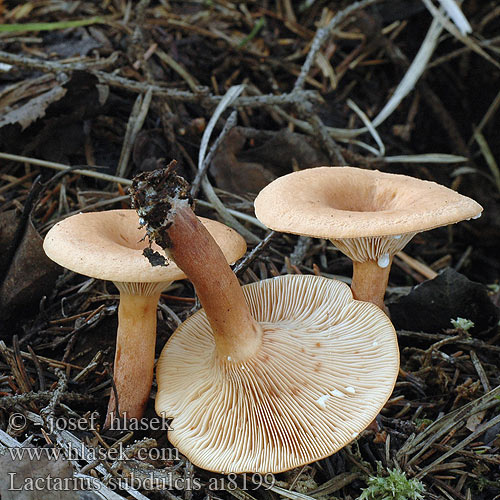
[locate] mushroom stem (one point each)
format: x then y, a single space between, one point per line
237 334
134 355
369 281
163 203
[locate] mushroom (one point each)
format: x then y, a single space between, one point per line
269 376
109 245
368 215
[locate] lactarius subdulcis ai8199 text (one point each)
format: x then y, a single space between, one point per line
266 377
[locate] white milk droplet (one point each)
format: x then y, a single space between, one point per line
397 236
477 216
350 390
383 260
321 401
229 358
337 393
354 435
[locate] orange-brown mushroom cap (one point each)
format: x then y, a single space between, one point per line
347 202
326 366
108 245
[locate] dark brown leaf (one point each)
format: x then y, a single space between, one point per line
431 306
31 274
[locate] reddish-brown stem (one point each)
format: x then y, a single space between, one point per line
369 282
237 334
134 355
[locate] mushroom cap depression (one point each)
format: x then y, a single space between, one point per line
348 202
326 367
108 245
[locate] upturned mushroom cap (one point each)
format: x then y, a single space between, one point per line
108 245
348 202
326 366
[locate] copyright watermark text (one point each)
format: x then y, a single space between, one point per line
18 422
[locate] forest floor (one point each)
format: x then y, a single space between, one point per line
241 92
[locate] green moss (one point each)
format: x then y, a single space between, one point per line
396 486
462 324
424 422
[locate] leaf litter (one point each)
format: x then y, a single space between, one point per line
280 86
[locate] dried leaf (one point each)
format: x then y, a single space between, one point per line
430 306
25 89
236 176
34 109
31 273
281 150
474 421
27 478
250 170
74 48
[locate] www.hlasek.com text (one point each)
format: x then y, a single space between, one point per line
76 452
